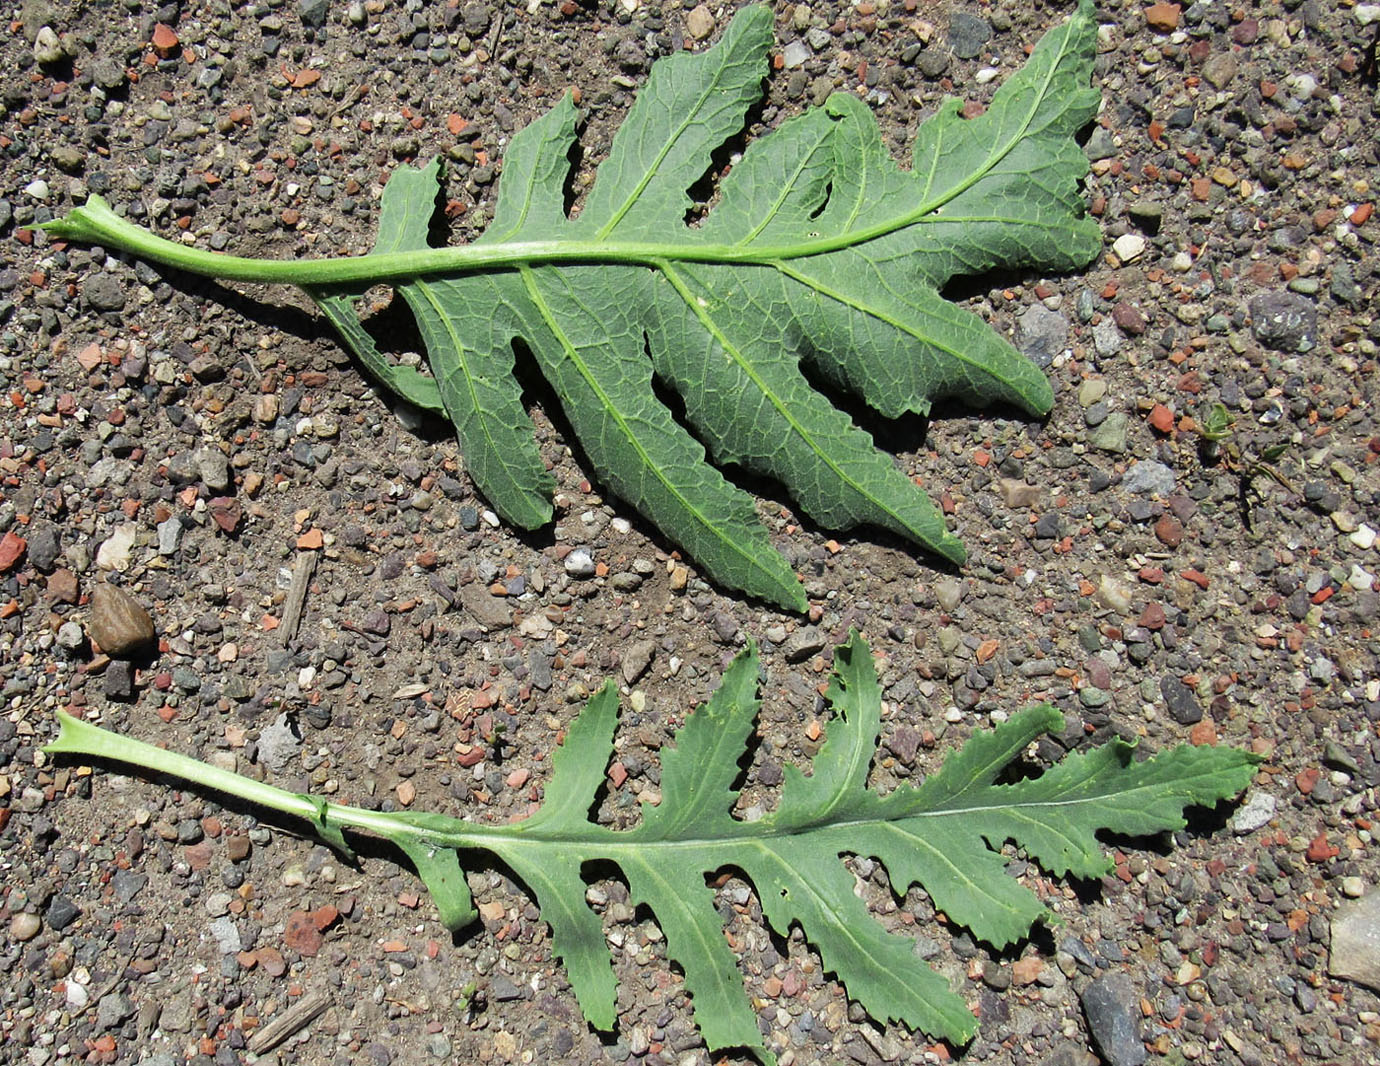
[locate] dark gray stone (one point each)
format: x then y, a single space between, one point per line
127 885
1284 321
62 912
103 292
933 62
1183 705
118 680
967 34
44 548
108 73
1112 1006
1041 334
312 12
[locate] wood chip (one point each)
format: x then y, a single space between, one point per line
302 571
296 1017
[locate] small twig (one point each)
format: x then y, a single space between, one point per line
296 1017
302 571
497 31
354 96
94 999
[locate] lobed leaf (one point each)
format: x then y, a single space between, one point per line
822 259
944 835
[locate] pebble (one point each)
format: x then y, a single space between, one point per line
112 1009
1041 334
1149 477
1113 596
313 12
70 636
1255 813
1284 321
48 47
61 913
1183 705
1129 247
25 926
804 644
699 23
1112 1006
117 683
279 744
226 935
637 657
1220 69
44 549
1017 494
1091 391
169 536
967 34
119 623
1355 953
1107 338
1129 318
214 469
115 551
579 564
795 54
948 592
1110 434
103 292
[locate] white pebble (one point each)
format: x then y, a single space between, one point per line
1363 537
579 564
1128 246
38 189
77 996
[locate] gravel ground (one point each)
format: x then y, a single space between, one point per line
196 445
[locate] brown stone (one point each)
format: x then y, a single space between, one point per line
62 586
1129 318
118 623
1163 17
1169 531
301 934
164 41
226 512
12 547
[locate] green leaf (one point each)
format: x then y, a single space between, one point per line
944 835
439 869
821 260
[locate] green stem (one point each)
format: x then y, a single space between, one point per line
81 738
97 223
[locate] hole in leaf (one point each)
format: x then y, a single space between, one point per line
704 193
824 202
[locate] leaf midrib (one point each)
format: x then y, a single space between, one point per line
746 366
97 221
613 843
634 441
